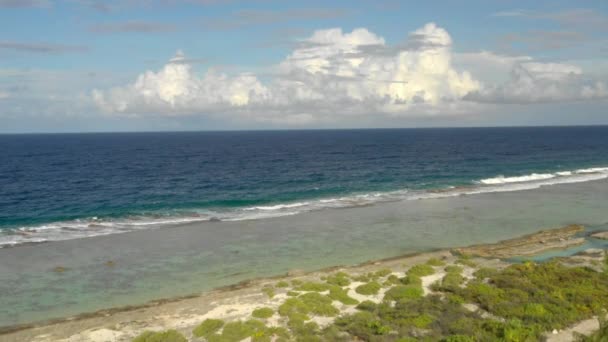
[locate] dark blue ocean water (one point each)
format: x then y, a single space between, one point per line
56 186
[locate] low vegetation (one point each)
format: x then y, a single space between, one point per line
519 303
162 336
370 288
262 313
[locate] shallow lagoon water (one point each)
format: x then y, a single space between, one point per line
196 257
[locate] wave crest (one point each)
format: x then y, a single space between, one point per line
95 226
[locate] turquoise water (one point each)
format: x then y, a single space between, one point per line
194 257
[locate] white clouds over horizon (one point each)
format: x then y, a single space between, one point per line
334 76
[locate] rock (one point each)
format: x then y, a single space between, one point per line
554 331
592 252
600 235
528 245
214 219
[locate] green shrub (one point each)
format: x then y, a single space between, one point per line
464 260
367 305
163 336
318 304
435 262
364 278
540 296
392 280
411 280
451 281
420 271
262 313
282 283
341 295
208 327
312 286
339 279
299 308
484 273
370 288
453 269
293 293
269 291
458 338
403 293
382 273
237 331
296 282
422 321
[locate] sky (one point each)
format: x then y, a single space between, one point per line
171 65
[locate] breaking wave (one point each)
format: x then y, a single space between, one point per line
96 226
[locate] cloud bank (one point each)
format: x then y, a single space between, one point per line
333 75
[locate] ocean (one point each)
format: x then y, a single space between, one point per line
67 186
134 217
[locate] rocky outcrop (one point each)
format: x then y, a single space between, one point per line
528 245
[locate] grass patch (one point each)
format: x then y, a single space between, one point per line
484 273
532 299
269 291
421 270
299 309
466 260
392 280
282 284
341 295
208 327
339 279
548 296
382 273
262 313
163 336
367 305
293 293
370 288
453 269
403 293
435 262
310 286
254 329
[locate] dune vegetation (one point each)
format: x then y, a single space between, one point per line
519 302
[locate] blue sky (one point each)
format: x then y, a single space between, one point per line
87 65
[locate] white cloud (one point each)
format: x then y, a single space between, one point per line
534 82
330 75
335 76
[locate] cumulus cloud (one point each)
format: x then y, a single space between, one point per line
335 76
331 74
534 82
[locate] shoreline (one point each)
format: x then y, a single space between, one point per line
72 324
